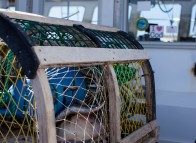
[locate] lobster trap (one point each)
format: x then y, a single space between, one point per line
63 81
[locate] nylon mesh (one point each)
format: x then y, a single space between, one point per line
132 93
135 109
80 103
18 121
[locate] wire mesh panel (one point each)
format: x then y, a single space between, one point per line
106 39
43 34
80 103
18 121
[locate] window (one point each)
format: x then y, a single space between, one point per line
13 8
192 32
95 16
129 11
157 16
75 13
7 4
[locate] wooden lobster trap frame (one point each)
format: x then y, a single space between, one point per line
34 60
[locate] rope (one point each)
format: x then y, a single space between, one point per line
6 96
4 93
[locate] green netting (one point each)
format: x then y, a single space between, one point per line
125 72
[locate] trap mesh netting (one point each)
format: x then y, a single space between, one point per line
84 104
18 122
135 82
79 92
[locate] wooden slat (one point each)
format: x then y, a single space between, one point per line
48 55
154 136
149 90
150 140
56 21
141 132
114 104
155 133
45 108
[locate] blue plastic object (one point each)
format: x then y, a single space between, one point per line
23 88
67 86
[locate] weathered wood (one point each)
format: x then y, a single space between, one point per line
56 21
149 83
141 132
150 140
155 133
45 108
50 55
154 136
114 104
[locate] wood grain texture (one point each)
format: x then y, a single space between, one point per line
56 21
155 133
141 132
50 55
45 108
149 90
114 104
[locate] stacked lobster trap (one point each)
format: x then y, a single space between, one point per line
62 81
